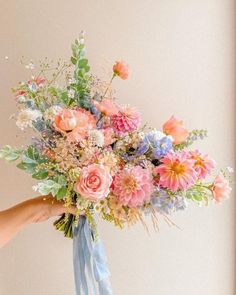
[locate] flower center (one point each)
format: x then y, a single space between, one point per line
178 168
130 183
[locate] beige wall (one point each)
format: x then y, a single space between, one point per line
182 58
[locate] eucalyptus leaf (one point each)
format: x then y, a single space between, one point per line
61 193
10 154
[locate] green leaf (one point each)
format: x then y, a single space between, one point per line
61 193
48 187
61 179
10 154
28 167
41 174
73 60
83 63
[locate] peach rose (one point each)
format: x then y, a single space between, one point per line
121 69
66 121
106 106
176 129
75 124
220 188
94 182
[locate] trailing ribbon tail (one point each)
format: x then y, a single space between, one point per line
90 265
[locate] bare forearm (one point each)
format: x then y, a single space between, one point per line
14 219
31 211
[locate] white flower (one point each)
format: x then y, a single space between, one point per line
21 99
72 81
158 135
230 169
26 117
51 112
96 137
71 93
30 66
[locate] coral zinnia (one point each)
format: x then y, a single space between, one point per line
133 186
176 171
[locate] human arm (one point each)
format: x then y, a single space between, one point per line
34 210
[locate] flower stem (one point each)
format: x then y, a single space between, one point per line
109 85
65 224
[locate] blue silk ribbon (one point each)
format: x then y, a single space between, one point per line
90 264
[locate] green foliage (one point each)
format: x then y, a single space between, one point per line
10 154
193 136
81 73
30 159
47 187
198 193
52 186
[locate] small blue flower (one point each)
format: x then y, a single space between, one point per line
162 147
143 147
157 142
33 87
164 203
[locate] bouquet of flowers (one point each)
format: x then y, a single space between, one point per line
92 152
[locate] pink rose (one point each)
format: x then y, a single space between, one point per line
176 129
106 106
75 124
94 182
121 69
220 188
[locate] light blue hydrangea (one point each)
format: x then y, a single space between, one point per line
167 204
157 142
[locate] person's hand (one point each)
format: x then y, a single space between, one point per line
45 207
34 210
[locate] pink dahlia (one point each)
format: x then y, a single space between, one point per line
203 165
126 120
133 186
176 171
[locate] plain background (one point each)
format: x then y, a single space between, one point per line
181 54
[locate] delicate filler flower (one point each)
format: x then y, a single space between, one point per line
203 165
26 117
71 93
96 137
133 186
230 169
94 183
106 106
221 188
51 112
176 171
30 66
121 69
109 160
128 119
176 129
